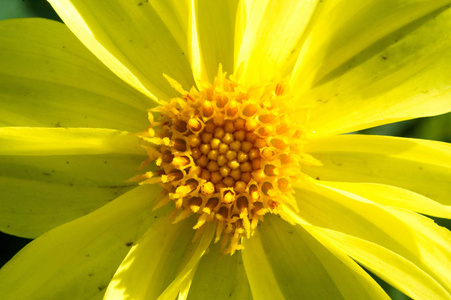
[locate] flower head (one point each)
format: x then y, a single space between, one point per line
227 153
193 150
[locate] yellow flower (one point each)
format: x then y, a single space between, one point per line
250 156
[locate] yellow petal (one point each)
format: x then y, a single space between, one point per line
48 78
220 277
384 263
78 258
175 16
159 262
421 166
271 37
192 259
413 237
66 141
38 193
344 29
132 40
185 286
394 196
387 62
286 262
216 38
153 262
179 17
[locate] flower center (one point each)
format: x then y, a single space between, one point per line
227 154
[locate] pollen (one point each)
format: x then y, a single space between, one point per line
226 154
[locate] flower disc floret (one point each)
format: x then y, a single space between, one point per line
226 153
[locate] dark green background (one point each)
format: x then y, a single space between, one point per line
435 128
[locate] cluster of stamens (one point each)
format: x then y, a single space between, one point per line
225 153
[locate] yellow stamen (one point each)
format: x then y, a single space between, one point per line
226 153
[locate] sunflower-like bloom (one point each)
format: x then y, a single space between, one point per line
195 149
